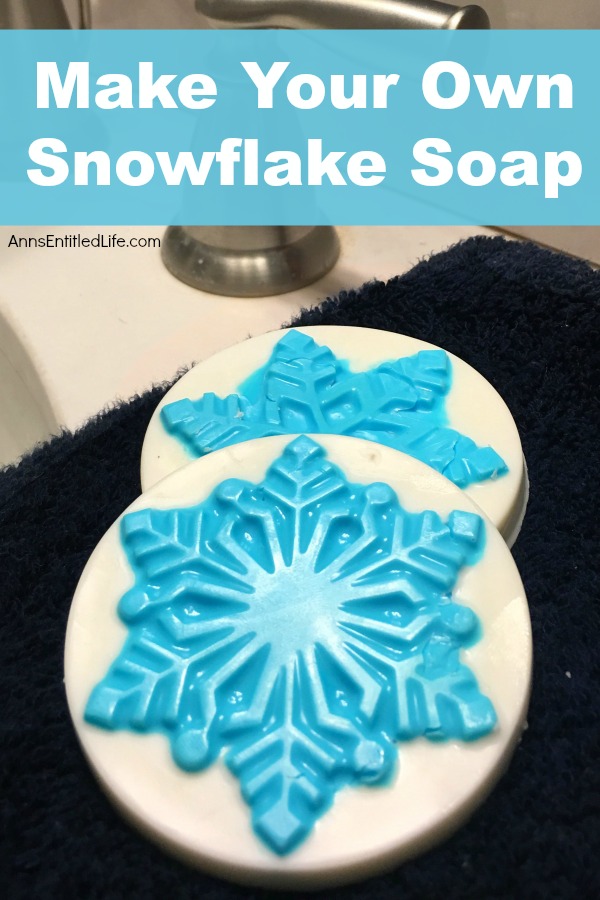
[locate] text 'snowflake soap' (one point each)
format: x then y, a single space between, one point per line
300 660
376 385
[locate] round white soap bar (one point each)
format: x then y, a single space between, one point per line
300 660
375 385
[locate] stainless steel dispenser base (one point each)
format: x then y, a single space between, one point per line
249 260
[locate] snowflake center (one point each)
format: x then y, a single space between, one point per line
295 608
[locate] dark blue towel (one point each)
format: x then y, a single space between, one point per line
528 320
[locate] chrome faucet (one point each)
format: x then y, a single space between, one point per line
254 261
258 260
384 14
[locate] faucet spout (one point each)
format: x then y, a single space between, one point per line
352 14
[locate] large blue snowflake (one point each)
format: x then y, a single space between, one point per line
305 388
299 627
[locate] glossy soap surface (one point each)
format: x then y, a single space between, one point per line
305 387
302 626
374 385
289 638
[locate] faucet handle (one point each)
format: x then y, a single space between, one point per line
351 14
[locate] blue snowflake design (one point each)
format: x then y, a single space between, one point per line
305 388
298 629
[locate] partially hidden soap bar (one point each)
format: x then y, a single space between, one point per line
299 660
374 385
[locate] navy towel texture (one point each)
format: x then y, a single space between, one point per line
527 319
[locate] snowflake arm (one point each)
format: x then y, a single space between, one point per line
211 423
291 770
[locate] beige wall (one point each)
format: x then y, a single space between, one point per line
542 13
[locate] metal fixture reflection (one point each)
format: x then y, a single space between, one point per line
341 14
252 261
